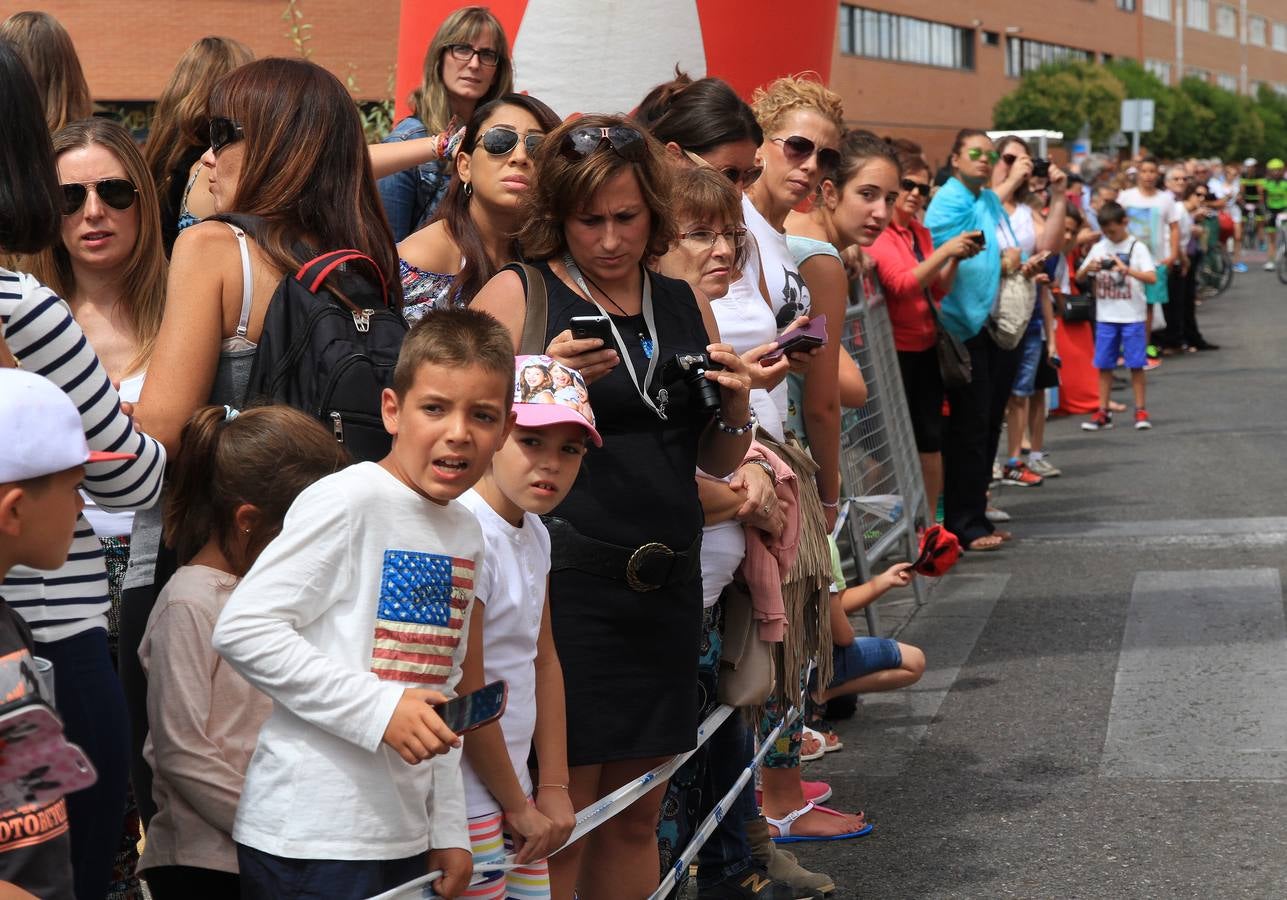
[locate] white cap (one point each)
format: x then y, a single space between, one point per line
40 429
1249 161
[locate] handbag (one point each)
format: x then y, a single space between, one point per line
745 662
536 312
1079 308
1013 308
953 359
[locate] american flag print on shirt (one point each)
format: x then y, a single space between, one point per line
421 615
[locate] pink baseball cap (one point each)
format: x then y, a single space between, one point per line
546 392
40 429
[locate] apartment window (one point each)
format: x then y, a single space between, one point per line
1256 30
1159 67
1025 56
991 39
1158 9
1280 37
1228 82
1199 14
1226 21
882 35
1199 74
1126 5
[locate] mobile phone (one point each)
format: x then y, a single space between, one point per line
475 709
592 327
978 239
807 337
1056 362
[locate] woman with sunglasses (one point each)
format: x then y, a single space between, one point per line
451 259
467 64
67 609
914 274
1182 333
626 584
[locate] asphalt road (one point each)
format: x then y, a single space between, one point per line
1105 709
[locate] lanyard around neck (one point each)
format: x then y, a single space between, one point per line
659 405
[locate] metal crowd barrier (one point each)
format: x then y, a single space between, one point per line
884 502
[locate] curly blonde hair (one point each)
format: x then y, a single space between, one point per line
791 92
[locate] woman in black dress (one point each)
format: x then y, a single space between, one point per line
626 584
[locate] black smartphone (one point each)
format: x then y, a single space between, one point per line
592 327
978 239
476 709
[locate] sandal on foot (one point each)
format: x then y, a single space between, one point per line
783 825
830 740
815 740
986 543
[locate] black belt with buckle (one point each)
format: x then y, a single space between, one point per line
645 568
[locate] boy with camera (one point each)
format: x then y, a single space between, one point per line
1120 267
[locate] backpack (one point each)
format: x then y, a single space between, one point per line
329 345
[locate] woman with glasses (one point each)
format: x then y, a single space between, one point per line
451 259
626 588
1182 333
467 64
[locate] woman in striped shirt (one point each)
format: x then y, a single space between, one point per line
67 608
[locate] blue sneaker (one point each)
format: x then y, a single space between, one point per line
1240 267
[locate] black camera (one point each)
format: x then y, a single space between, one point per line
1108 263
691 369
1040 168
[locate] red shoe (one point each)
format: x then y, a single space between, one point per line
1019 475
814 792
1100 421
1142 422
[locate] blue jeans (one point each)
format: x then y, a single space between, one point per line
728 852
411 196
268 877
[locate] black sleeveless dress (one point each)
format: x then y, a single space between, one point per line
630 658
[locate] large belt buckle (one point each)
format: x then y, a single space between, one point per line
637 559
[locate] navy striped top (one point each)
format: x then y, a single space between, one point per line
40 330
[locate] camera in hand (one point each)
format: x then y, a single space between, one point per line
1040 168
691 369
1108 263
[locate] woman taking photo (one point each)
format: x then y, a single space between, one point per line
467 64
451 259
626 603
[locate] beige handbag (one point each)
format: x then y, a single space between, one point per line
745 661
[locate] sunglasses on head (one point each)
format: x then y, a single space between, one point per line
743 178
797 149
625 141
224 131
921 187
118 193
466 52
500 141
977 153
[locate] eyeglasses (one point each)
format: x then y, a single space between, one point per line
118 193
466 52
797 149
1203 194
705 238
743 178
625 141
223 132
500 141
977 153
921 187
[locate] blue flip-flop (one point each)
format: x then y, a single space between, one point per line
783 825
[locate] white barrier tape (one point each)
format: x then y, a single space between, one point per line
587 819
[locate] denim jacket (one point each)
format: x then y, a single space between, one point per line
411 196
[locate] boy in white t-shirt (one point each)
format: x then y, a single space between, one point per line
1121 267
354 621
1153 216
510 638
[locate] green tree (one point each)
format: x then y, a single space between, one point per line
1061 97
1271 109
1224 125
1141 84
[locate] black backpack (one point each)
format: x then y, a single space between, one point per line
329 345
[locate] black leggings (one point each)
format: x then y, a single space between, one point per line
191 883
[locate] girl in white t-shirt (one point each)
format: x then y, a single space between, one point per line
230 488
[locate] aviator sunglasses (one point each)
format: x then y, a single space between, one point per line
743 178
499 141
921 188
118 193
224 131
797 149
626 142
977 153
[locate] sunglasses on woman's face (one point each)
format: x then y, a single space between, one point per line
501 141
223 132
626 142
118 193
742 178
797 149
921 187
977 153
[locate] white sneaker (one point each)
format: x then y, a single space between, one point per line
1044 467
1269 266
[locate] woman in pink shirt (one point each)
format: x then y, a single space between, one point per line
911 271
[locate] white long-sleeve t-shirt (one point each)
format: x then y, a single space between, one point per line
366 592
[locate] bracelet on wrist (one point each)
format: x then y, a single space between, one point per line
766 466
826 505
735 430
561 787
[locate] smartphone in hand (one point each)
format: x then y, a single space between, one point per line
475 709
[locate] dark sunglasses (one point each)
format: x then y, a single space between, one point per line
115 192
466 52
1009 158
499 141
921 188
224 132
626 142
797 149
743 178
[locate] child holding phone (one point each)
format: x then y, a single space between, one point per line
510 639
232 482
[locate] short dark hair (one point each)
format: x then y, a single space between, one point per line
30 215
1150 159
1111 213
455 336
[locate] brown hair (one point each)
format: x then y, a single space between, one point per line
459 337
181 122
429 101
564 186
857 148
47 49
305 170
265 457
958 143
791 92
910 155
143 280
705 195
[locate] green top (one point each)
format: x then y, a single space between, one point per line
1275 193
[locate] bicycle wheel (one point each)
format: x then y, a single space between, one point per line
1280 264
1224 272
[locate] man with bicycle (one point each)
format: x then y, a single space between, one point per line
1275 194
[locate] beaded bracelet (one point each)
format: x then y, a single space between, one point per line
735 431
835 505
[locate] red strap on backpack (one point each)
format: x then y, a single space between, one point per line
329 262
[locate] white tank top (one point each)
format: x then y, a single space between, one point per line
1024 228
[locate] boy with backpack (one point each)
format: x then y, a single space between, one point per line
1120 267
354 622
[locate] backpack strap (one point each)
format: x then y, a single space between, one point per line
247 285
314 273
536 314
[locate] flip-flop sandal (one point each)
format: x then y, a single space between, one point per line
784 835
975 547
816 754
830 740
1006 536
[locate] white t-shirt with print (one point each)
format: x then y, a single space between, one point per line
1150 219
1119 297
